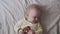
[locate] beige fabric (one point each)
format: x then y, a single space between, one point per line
24 23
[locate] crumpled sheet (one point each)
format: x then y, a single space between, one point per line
12 11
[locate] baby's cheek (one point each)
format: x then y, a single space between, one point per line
30 19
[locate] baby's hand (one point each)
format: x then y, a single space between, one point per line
20 32
31 32
26 29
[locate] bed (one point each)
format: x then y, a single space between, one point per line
12 11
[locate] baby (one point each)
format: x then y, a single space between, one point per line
31 23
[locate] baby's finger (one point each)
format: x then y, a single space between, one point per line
20 32
30 32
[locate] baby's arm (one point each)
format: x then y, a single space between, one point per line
17 27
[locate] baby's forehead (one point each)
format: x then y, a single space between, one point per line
33 7
33 10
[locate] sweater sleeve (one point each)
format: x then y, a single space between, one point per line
17 26
39 30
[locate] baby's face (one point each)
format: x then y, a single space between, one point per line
33 16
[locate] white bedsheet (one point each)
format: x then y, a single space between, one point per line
13 10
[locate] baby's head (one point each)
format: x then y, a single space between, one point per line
32 13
